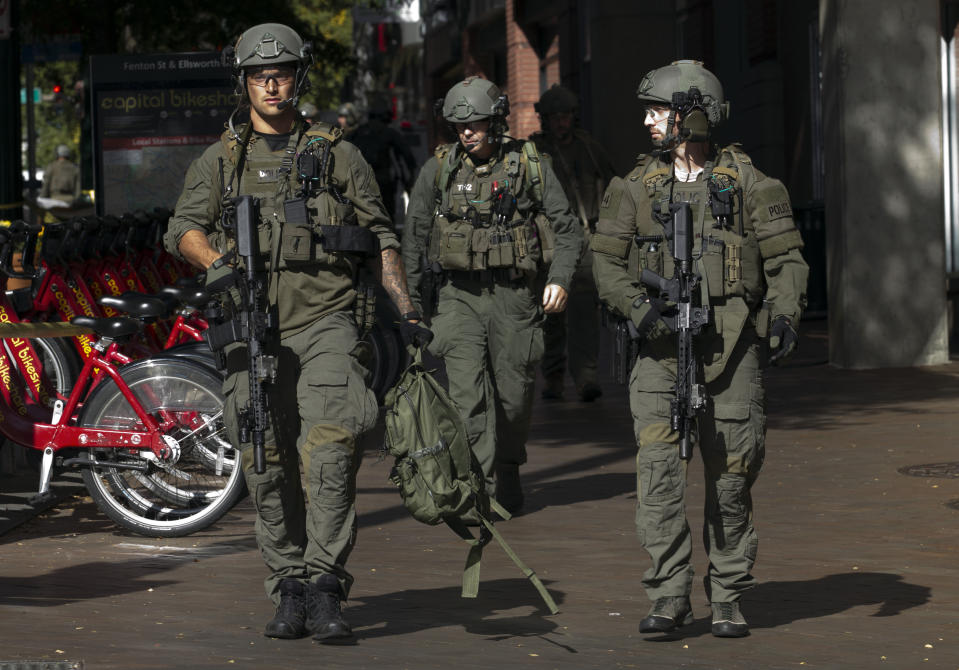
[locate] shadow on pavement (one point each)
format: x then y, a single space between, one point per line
413 610
775 604
103 579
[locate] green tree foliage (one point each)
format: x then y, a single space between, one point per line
128 26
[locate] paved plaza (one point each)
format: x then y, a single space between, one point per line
857 510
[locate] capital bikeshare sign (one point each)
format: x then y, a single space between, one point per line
152 116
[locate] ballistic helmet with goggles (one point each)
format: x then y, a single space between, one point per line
686 87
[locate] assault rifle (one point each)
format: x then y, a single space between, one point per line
690 395
252 323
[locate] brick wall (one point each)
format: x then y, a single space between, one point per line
522 85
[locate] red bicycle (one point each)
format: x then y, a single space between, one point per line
148 435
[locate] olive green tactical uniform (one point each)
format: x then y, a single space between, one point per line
583 169
739 272
61 181
320 404
487 321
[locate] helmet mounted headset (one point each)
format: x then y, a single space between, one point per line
688 89
268 45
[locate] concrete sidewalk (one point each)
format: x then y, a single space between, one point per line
857 564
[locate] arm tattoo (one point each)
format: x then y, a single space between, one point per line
393 278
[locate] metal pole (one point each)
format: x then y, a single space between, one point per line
11 197
31 132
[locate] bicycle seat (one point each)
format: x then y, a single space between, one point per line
189 296
192 282
106 327
139 305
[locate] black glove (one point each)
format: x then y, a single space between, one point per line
783 338
647 311
415 334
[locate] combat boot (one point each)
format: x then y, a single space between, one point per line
666 614
289 622
509 492
554 387
589 391
728 621
325 619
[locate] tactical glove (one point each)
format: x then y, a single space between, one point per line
415 334
220 277
783 338
647 311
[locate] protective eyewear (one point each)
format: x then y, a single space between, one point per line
281 77
658 112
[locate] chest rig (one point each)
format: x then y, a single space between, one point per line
305 220
725 250
477 223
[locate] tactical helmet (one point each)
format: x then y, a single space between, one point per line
348 111
556 100
268 44
271 44
308 110
474 99
63 151
687 87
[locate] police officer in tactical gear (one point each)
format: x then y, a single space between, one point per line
746 251
320 405
309 112
477 218
348 118
584 169
385 150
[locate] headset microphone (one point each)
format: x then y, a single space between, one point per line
283 104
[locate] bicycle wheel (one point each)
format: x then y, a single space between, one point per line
193 489
388 358
61 365
60 362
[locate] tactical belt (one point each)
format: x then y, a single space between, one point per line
501 276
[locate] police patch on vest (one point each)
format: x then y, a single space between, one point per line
266 175
780 210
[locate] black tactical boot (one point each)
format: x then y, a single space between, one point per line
554 387
667 614
289 622
509 492
325 620
589 391
728 621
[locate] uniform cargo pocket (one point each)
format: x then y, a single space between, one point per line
456 242
296 244
653 258
500 249
480 248
712 268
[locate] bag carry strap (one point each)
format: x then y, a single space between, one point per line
471 573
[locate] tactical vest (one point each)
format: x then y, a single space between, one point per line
302 233
467 235
725 248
